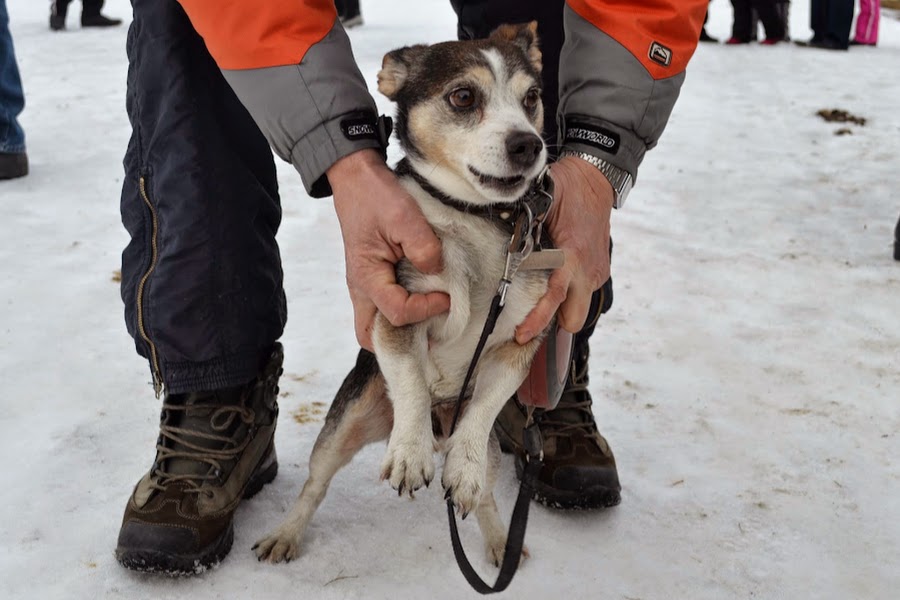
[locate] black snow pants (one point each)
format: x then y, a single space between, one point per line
477 18
201 276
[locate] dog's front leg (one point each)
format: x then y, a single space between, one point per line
402 353
501 372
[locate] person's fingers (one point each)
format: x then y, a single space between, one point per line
574 310
402 308
421 246
543 312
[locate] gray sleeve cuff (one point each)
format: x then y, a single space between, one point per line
610 106
603 139
300 108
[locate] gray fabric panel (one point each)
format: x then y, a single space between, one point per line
599 78
299 107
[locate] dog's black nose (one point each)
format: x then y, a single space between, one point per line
523 148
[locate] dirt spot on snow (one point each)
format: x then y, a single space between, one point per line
803 412
309 413
837 115
303 378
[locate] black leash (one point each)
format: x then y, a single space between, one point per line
526 233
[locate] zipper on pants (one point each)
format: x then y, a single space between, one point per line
154 254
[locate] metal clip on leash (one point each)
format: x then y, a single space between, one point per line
526 235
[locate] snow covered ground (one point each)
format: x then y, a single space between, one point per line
748 376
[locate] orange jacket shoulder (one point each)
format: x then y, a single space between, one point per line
250 34
673 24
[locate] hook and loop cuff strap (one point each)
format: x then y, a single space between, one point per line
365 125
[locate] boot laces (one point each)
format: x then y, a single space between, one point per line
221 420
573 414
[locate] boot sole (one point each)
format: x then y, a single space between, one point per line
180 565
592 498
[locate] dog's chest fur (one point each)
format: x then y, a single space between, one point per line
474 256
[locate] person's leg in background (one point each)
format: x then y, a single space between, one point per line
90 14
818 18
839 22
830 21
58 11
202 287
349 13
867 23
783 8
771 20
579 467
743 28
13 160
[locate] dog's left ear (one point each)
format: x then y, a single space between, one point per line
396 68
523 35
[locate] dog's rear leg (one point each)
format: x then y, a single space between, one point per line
486 512
360 414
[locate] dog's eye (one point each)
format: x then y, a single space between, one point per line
462 98
532 97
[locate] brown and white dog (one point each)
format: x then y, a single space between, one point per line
469 119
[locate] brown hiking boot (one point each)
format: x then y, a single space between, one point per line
214 449
579 467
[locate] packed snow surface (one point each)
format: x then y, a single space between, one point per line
748 376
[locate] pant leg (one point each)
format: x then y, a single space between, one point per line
867 21
783 8
201 276
818 19
742 26
771 20
839 21
12 98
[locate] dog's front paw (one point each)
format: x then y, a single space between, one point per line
278 546
464 476
408 465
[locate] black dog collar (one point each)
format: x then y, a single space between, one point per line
503 215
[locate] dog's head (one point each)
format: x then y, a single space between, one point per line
470 112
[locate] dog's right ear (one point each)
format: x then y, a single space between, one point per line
396 67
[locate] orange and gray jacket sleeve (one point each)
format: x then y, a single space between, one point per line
620 72
290 64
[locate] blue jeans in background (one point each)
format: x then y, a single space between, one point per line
12 99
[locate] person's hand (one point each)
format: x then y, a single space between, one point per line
579 226
381 223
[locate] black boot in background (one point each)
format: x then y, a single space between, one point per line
13 165
91 17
